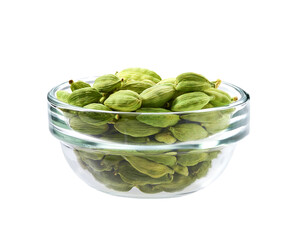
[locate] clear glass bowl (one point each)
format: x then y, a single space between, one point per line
110 158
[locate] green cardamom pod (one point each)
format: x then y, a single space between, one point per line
167 160
153 143
137 86
63 96
203 117
78 125
218 97
179 183
111 161
124 100
222 123
192 158
138 74
165 137
132 176
77 85
95 166
190 82
84 96
122 138
150 168
182 170
107 83
212 155
201 169
157 120
167 81
148 188
93 155
96 118
135 128
157 95
110 180
190 102
188 132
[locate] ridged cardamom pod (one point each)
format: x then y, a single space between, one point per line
201 169
138 74
84 96
63 96
179 183
155 120
222 123
94 155
165 137
137 86
78 125
203 117
121 138
152 169
96 118
192 158
218 97
190 102
165 159
130 175
182 170
157 95
188 132
95 166
149 188
110 180
167 81
111 161
135 128
124 100
188 82
77 85
107 83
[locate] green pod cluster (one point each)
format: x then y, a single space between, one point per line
151 121
149 173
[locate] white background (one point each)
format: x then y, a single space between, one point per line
44 43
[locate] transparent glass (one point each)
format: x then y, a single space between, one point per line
148 155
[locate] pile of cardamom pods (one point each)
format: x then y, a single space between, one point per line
141 91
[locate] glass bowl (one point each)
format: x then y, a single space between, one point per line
128 157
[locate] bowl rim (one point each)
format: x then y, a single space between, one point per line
52 100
